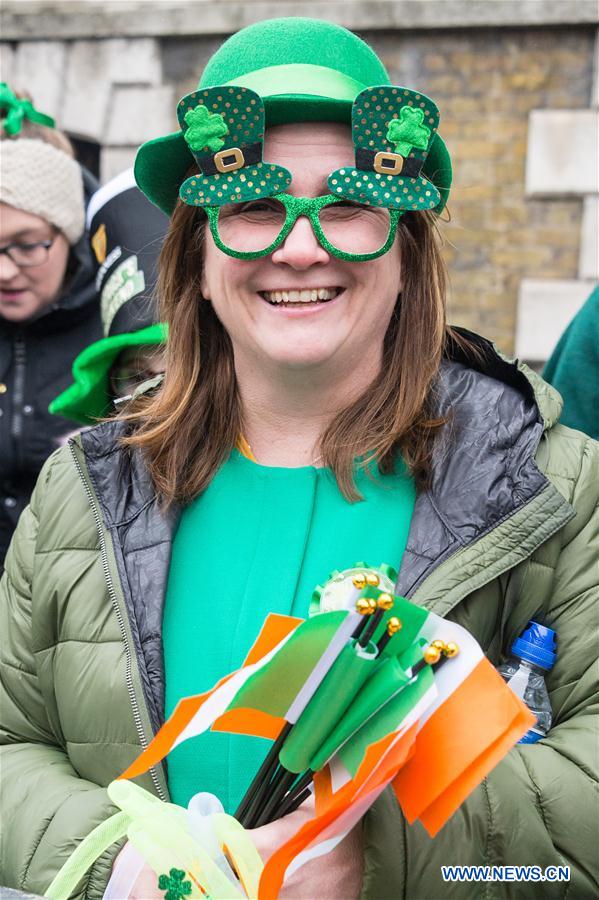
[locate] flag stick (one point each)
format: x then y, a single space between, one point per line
393 626
261 780
294 804
384 603
263 774
298 790
435 655
260 797
281 783
366 607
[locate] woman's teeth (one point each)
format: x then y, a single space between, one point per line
311 295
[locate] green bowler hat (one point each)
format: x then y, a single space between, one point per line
275 60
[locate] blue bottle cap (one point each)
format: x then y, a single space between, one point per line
537 645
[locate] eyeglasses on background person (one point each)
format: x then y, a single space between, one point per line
26 254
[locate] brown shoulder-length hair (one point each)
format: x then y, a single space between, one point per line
189 427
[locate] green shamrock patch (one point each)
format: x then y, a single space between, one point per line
174 885
408 131
204 129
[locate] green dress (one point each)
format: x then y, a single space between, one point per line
258 540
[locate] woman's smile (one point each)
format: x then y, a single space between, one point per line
302 300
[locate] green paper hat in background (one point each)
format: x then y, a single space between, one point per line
126 234
276 60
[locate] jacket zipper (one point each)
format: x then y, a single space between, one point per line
16 426
115 605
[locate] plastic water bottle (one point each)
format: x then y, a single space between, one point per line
533 654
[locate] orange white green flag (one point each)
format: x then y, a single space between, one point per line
360 720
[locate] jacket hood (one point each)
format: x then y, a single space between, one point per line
548 400
513 372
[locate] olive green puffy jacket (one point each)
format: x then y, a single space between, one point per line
508 531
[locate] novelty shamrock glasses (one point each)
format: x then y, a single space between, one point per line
249 212
353 231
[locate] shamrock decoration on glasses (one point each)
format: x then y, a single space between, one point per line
408 131
204 129
223 127
393 129
173 884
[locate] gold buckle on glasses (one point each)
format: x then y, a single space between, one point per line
388 163
229 160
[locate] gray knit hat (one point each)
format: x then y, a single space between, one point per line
41 179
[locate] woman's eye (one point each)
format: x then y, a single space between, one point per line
258 206
346 209
252 210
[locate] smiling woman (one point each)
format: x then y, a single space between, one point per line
316 410
294 313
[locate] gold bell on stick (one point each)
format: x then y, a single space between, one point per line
393 625
431 655
359 581
363 606
385 601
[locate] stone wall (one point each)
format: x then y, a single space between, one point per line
518 112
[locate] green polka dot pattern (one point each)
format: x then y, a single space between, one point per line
242 112
372 113
241 109
248 183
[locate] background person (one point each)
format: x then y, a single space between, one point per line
371 431
126 233
48 303
573 368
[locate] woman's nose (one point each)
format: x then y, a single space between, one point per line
301 249
8 268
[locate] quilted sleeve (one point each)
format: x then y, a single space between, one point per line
539 806
46 807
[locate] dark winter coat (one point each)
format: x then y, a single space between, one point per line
35 366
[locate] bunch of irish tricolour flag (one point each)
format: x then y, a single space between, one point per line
380 693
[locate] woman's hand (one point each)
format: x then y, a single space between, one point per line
146 886
132 878
330 877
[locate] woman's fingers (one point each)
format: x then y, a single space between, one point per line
269 838
329 877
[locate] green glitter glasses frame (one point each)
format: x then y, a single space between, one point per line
351 231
